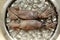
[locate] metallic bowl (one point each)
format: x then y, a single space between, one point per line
5 30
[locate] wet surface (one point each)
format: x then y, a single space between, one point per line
44 16
18 35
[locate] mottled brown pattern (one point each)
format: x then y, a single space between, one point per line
28 16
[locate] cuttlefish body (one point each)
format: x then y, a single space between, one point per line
26 25
29 18
27 14
23 14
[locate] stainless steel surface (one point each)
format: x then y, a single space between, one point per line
39 6
57 28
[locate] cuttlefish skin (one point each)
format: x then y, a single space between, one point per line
23 14
27 14
26 25
29 22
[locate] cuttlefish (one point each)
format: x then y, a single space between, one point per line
28 17
15 13
26 25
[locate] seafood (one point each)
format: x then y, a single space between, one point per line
26 25
27 14
23 14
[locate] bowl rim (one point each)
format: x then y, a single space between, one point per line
6 34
